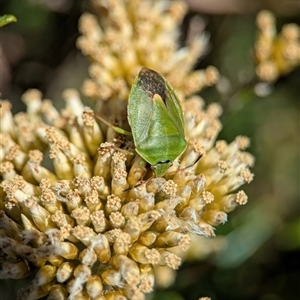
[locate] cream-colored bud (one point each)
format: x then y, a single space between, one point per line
147 278
214 217
133 227
164 276
66 250
101 246
10 227
74 287
113 204
116 219
146 201
114 295
34 292
63 167
65 271
82 271
83 233
37 171
82 166
91 131
137 171
31 254
144 255
83 295
81 215
147 238
17 156
147 219
111 277
92 200
122 243
41 217
103 162
170 259
6 119
94 286
56 260
169 221
49 200
14 270
168 204
82 183
130 209
88 257
72 199
44 275
99 221
133 292
128 269
100 297
119 182
58 292
172 238
100 186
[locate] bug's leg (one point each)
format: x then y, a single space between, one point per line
124 151
115 128
118 130
141 181
145 181
139 184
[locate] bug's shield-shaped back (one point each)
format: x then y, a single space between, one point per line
156 120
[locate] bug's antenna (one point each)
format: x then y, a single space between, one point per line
115 128
193 162
186 167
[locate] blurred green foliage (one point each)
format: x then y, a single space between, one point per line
6 19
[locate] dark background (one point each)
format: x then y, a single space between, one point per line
262 256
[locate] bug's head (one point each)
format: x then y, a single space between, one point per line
161 168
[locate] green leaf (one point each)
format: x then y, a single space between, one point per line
6 19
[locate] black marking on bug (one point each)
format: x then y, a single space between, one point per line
163 161
152 83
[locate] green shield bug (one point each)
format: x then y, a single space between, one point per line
156 120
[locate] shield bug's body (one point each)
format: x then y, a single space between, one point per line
156 120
